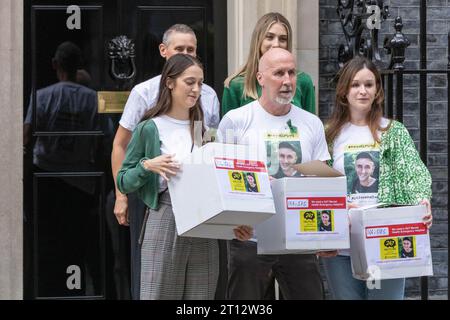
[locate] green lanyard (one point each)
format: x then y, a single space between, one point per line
293 129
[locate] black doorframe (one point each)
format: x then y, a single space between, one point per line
30 80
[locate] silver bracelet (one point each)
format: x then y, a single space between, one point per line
143 166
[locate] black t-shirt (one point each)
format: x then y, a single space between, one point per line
280 174
323 227
405 254
358 188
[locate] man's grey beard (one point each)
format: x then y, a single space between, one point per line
284 100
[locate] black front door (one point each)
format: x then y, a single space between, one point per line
73 245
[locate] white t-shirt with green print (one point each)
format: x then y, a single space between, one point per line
356 155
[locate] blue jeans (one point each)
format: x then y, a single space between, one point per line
343 286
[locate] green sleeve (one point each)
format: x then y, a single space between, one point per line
144 144
231 98
307 93
411 178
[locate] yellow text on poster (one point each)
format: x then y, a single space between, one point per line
308 220
236 181
389 248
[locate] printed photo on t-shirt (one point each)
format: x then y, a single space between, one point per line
283 151
361 164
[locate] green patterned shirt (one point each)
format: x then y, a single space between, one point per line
404 179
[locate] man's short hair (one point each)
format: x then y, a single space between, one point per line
288 145
326 212
365 155
407 239
68 57
179 27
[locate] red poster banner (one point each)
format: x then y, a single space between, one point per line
240 165
311 203
396 230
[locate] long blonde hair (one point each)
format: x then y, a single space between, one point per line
250 69
341 112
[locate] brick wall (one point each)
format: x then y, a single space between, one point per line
438 26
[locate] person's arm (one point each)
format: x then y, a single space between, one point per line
243 233
132 174
26 134
307 92
121 140
27 124
231 97
411 177
320 151
215 117
428 217
226 131
132 113
143 160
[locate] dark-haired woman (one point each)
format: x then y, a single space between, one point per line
172 267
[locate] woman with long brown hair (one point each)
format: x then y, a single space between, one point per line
357 130
172 267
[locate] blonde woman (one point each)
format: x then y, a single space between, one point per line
272 30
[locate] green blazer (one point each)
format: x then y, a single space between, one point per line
132 176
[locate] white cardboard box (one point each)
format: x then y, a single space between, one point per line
377 236
300 203
210 196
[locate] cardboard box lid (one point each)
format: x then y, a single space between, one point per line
382 205
317 168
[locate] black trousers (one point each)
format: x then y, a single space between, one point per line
119 256
251 276
136 213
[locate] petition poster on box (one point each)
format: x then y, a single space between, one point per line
392 246
242 178
310 218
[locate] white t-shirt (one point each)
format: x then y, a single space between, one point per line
144 95
356 155
175 139
252 125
